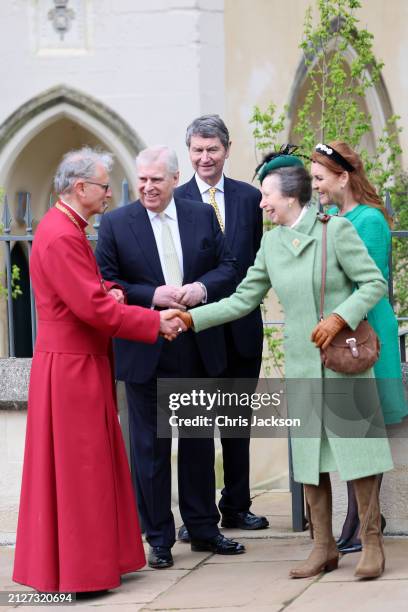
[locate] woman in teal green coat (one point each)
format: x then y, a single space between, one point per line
289 260
342 181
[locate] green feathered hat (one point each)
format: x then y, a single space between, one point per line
280 159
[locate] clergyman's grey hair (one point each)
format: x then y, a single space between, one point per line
158 153
80 164
208 126
295 182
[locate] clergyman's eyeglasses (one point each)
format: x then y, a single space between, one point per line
104 186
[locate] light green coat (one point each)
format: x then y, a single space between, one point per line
289 260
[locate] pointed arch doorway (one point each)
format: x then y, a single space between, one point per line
35 137
376 102
32 142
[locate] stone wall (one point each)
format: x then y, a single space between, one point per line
156 63
14 374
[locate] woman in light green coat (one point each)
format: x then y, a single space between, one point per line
289 260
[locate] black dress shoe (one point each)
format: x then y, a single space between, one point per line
353 544
342 542
219 544
160 557
244 520
350 547
183 534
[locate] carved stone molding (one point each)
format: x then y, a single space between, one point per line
61 17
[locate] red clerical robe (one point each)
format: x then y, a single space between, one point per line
78 528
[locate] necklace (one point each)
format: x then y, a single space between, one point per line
69 215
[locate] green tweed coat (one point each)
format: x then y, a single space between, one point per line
289 260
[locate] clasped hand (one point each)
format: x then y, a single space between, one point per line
327 329
117 295
170 296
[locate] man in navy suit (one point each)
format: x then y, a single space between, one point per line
237 209
166 252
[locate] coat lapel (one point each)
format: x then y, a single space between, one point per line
187 230
142 229
297 239
231 199
192 191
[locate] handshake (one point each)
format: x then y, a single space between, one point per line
173 322
177 299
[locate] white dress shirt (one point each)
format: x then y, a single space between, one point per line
171 217
219 194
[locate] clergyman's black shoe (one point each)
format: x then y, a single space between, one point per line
219 544
183 534
244 520
160 557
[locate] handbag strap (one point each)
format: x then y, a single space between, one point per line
324 219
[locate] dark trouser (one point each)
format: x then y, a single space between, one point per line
235 496
151 456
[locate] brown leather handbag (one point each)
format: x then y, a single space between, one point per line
351 351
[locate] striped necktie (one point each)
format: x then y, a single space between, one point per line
172 270
214 204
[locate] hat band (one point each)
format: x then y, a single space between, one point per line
334 155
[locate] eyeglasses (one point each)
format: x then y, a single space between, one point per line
104 186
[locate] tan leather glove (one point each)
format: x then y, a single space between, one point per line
327 329
186 318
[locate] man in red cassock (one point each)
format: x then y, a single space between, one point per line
78 527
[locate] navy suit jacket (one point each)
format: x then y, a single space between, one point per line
127 254
243 233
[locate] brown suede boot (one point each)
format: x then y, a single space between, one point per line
324 556
372 560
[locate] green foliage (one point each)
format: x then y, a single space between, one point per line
274 358
15 287
267 130
15 272
273 361
334 109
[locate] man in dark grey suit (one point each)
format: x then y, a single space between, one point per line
166 251
236 205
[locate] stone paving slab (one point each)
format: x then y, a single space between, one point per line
243 585
252 608
278 503
268 608
138 588
362 596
